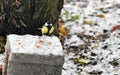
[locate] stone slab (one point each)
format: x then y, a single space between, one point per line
20 63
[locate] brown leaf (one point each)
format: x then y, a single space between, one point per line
61 22
62 30
116 27
95 72
101 15
76 60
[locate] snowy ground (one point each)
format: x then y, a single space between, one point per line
92 46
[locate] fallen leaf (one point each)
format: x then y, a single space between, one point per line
94 72
66 13
101 15
81 61
75 17
89 22
62 30
116 27
95 46
84 61
114 62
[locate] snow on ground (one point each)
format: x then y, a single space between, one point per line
92 37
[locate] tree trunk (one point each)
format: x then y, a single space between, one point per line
26 16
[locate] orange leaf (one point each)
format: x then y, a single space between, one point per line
101 15
62 30
116 27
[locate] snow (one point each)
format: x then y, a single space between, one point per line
1 58
74 41
100 41
43 45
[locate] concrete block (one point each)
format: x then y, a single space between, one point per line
33 55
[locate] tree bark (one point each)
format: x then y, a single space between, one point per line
26 16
